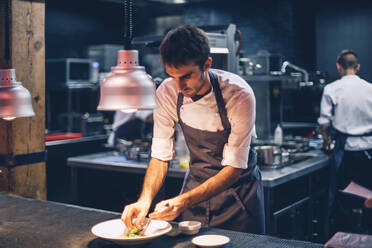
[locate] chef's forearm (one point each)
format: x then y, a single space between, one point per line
154 178
213 186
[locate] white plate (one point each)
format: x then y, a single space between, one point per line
114 230
210 241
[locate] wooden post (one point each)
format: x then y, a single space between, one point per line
25 135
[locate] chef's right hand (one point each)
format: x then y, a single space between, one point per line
137 210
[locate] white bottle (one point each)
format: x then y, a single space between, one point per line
278 135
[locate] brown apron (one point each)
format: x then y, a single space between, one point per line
238 208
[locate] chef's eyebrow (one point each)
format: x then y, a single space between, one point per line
181 77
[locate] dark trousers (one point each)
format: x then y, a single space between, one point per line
349 213
356 166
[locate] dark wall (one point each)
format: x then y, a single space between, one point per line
282 27
345 25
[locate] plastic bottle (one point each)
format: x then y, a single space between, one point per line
182 152
278 135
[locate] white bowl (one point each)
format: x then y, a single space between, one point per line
189 227
210 241
115 230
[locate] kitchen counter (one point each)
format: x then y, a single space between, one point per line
295 195
273 177
270 177
29 223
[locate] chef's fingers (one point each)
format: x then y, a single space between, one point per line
128 216
140 219
161 205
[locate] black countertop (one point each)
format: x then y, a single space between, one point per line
26 222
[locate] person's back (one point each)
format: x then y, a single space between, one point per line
347 106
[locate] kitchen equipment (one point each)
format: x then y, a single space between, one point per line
71 72
105 55
115 230
268 154
210 241
263 63
92 124
138 150
272 156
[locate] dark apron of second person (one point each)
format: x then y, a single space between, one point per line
238 208
335 163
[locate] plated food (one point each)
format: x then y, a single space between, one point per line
115 231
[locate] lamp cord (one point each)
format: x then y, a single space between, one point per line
128 31
7 29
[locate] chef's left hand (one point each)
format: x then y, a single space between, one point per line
169 209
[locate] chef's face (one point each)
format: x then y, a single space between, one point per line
191 80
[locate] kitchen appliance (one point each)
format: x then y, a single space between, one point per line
87 124
70 72
105 55
224 48
262 63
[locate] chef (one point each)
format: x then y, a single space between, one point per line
346 110
216 111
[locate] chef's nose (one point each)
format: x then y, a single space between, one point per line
180 84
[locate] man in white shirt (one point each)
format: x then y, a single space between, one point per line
216 111
346 109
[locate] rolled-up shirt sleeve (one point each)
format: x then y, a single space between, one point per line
242 114
164 125
326 108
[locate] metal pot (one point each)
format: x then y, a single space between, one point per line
268 155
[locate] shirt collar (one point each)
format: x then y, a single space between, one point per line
350 76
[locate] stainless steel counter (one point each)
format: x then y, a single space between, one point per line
112 161
274 177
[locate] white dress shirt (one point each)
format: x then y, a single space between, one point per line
347 105
203 115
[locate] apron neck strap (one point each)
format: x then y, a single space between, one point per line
219 99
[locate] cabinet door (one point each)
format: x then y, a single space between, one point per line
294 222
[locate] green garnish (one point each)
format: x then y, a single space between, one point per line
135 232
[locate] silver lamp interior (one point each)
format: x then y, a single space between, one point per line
15 100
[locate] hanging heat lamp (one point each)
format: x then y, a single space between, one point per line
128 87
15 100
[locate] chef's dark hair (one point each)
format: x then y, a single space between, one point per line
347 59
183 45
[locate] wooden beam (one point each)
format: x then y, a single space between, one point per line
25 135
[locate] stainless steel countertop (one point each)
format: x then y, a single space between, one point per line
71 141
112 161
274 177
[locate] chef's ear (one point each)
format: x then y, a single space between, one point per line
207 64
357 68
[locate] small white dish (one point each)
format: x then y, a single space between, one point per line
210 241
189 227
114 230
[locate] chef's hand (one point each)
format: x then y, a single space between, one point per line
169 209
136 210
327 145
